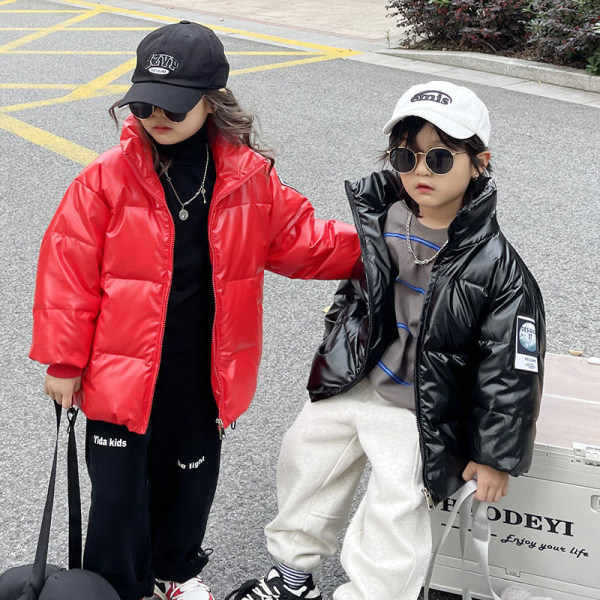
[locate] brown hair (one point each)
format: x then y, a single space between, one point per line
228 118
406 132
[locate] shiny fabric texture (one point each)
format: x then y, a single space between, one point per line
471 401
105 269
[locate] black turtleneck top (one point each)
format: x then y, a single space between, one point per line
190 311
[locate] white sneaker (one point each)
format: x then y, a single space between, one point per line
192 589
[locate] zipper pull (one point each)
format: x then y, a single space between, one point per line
428 498
220 427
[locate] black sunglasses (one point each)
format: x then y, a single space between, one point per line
438 160
143 111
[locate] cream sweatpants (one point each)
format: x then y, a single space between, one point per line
387 546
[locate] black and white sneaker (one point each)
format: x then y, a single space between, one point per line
272 587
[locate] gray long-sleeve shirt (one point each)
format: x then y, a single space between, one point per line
393 376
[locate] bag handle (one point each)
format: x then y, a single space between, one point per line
480 531
74 494
38 574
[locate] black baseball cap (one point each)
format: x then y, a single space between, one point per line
176 65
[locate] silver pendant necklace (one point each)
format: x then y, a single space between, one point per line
410 249
183 213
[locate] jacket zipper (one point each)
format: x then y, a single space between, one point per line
434 274
163 316
211 212
161 201
425 490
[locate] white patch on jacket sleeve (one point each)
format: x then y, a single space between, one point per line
526 345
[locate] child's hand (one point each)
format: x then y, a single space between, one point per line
491 483
63 390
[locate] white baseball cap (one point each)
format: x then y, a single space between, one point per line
454 109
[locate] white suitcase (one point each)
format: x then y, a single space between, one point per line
546 531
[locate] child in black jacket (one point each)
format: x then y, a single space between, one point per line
431 365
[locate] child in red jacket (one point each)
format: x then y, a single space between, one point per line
148 305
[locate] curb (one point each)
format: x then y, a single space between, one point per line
513 67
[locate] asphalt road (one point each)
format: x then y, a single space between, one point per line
323 120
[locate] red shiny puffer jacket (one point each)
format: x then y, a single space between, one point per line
105 270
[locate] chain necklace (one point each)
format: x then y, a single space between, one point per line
183 213
410 249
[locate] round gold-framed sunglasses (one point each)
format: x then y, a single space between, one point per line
438 160
143 111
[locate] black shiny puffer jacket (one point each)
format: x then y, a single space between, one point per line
472 403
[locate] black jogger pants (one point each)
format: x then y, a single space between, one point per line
151 493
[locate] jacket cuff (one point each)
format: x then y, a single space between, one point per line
64 371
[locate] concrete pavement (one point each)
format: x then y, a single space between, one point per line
365 25
360 19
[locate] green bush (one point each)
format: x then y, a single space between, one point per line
565 32
489 25
568 33
425 20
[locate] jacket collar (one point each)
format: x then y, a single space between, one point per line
374 193
474 222
138 155
234 163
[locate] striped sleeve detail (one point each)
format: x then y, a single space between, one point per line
392 375
412 287
413 238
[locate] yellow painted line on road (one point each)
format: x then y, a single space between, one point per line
132 53
240 32
74 52
39 86
54 12
59 100
123 11
115 88
45 139
89 89
81 28
284 41
103 85
111 28
93 89
287 53
248 34
281 65
47 31
100 86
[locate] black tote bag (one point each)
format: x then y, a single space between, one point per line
40 581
